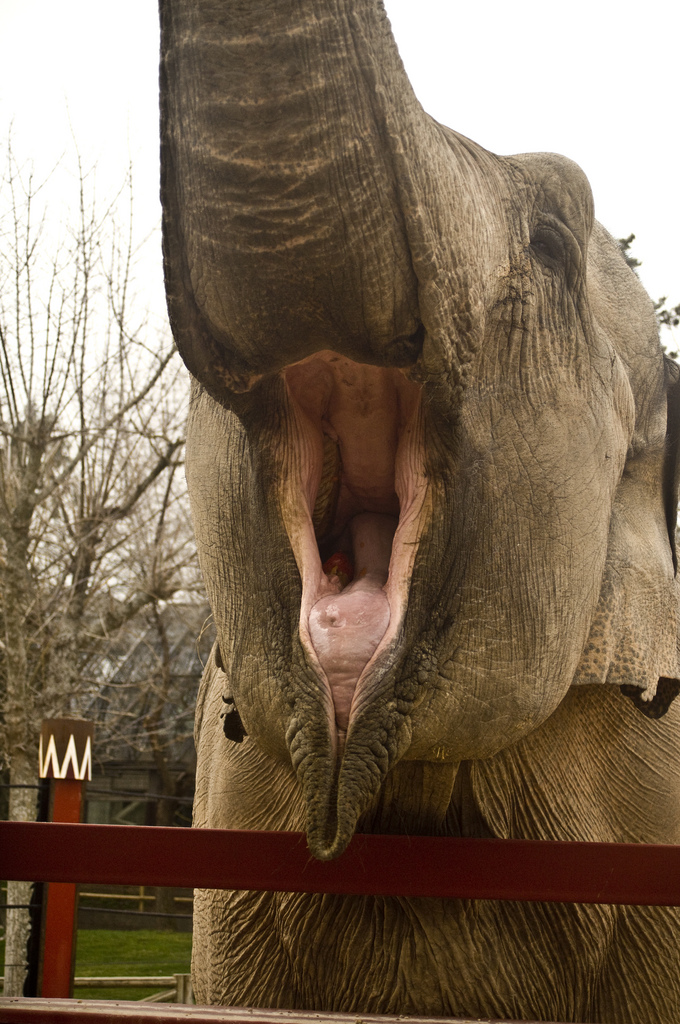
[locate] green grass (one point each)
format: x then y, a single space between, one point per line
100 953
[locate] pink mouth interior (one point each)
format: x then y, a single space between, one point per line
354 487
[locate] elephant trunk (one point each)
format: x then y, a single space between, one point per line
297 216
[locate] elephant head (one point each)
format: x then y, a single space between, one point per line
428 459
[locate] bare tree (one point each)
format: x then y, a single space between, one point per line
140 687
91 427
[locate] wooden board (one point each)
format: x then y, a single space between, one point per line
95 1011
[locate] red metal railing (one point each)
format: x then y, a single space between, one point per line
64 1011
494 869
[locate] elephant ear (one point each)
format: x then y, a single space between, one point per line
633 641
671 484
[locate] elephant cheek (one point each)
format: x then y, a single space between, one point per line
476 719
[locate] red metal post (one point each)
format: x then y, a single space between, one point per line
60 903
66 759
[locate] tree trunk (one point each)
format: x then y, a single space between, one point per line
21 730
22 807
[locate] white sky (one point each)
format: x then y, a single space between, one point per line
597 81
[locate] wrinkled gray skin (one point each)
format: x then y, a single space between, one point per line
311 205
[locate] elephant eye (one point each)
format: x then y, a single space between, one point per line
548 246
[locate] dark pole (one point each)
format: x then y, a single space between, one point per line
32 983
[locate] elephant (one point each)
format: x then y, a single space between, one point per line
432 462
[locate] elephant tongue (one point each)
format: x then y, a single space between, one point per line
345 628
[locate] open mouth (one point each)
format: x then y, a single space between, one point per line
353 498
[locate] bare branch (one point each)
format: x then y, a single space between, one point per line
121 511
101 430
